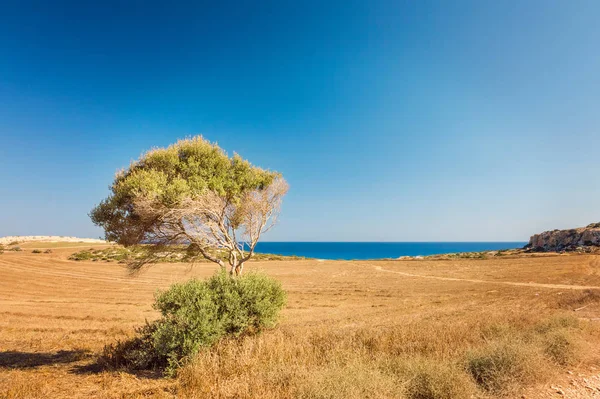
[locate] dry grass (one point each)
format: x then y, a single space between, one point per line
66 244
349 331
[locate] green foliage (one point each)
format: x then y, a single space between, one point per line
197 314
82 255
184 170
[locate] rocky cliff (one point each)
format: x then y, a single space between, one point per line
586 239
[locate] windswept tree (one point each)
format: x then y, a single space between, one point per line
193 195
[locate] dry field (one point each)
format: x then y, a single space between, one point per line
360 329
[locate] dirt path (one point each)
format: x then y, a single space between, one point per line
534 285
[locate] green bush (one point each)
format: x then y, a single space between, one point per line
82 255
197 314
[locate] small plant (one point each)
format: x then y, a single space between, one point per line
436 380
500 365
48 251
16 249
1 248
197 314
557 323
560 347
36 251
82 255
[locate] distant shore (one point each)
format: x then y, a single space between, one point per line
19 239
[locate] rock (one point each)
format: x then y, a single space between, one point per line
584 239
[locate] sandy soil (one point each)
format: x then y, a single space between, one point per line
56 315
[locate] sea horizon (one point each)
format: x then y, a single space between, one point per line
363 250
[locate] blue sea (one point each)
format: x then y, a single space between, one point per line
377 250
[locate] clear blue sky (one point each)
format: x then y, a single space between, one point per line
391 120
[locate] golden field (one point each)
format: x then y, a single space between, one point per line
351 329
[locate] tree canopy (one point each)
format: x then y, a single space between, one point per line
192 193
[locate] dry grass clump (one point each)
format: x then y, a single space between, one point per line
578 299
432 379
503 366
514 357
561 347
398 362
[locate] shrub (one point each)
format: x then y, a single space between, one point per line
36 251
431 379
500 365
82 255
48 251
560 347
16 249
557 323
197 314
1 249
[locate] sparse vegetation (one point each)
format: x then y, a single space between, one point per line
349 331
174 255
579 299
197 314
16 249
502 366
36 251
431 379
561 347
414 361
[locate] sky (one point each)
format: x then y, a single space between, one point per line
391 120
